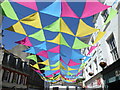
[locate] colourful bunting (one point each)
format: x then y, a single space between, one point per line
17 28
92 8
38 35
84 29
25 42
8 10
45 68
42 46
35 66
55 49
43 53
45 62
29 3
72 63
79 44
53 9
32 20
32 57
99 36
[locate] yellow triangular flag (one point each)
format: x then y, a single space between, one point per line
99 36
84 29
56 40
64 28
57 68
45 62
35 66
69 69
17 28
32 20
62 67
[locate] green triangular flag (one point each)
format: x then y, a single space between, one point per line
62 41
112 14
69 73
79 44
38 35
45 68
54 27
56 64
32 57
8 10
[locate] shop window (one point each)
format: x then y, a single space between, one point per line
15 78
6 76
113 48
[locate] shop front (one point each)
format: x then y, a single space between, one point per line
111 76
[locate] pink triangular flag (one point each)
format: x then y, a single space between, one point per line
72 63
38 71
93 7
62 60
25 42
79 73
91 49
29 3
67 11
56 72
43 53
55 49
49 76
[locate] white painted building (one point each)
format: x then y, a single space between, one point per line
107 50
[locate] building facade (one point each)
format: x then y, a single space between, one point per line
16 74
102 69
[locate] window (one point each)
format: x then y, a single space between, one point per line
95 61
15 78
118 7
6 75
113 48
104 14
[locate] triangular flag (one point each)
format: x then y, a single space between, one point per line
87 58
67 11
62 67
29 3
64 28
55 49
91 49
63 41
69 73
84 29
17 28
45 68
43 53
58 71
55 58
54 27
57 68
92 8
69 69
8 10
38 71
32 57
53 9
45 62
49 76
76 55
35 66
32 20
99 36
42 46
112 14
25 42
30 50
38 35
62 60
72 63
79 73
79 44
56 64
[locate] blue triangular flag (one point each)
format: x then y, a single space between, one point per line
30 50
42 46
76 55
55 58
53 9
